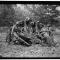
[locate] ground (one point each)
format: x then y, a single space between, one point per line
32 51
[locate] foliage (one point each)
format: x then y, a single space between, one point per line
44 13
9 13
6 15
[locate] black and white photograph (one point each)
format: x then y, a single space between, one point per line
29 30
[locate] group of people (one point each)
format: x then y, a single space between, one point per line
25 30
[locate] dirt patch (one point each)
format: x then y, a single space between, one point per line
32 51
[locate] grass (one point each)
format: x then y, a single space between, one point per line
32 51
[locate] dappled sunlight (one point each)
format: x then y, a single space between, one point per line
23 9
39 47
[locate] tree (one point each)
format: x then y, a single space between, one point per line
6 15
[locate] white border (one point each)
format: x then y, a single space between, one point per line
29 0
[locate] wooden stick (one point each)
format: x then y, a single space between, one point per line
21 39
